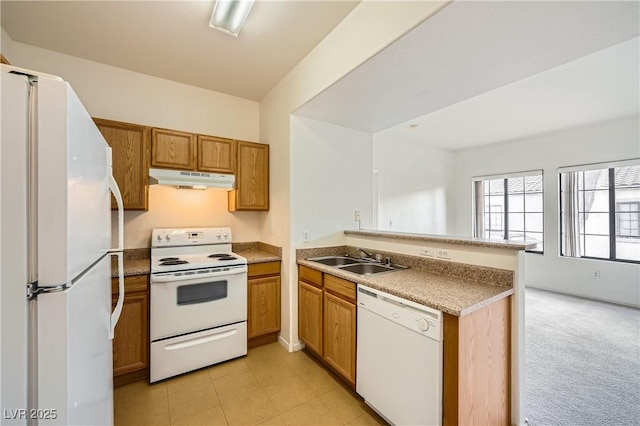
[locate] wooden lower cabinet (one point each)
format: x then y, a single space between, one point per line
131 340
310 316
263 303
476 348
477 367
327 320
340 335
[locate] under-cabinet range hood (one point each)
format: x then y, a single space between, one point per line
190 179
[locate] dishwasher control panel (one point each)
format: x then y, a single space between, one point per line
414 316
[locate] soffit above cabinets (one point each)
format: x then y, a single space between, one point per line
470 49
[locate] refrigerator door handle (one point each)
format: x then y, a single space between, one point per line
115 315
113 186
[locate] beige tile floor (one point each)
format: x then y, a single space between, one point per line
269 386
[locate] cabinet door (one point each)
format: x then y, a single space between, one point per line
252 177
130 157
216 154
264 306
172 149
310 316
340 335
130 344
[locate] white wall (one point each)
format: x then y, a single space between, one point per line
331 179
118 94
609 141
181 208
413 186
370 27
6 45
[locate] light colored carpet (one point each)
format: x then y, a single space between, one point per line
582 361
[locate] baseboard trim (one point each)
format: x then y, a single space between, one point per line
290 347
582 296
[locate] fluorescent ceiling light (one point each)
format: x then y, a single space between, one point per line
229 15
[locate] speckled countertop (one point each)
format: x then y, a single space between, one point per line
454 288
258 252
137 261
445 239
133 267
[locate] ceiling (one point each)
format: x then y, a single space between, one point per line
476 72
599 87
172 39
483 72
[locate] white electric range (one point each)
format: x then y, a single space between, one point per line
198 307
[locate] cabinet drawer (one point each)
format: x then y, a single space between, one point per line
262 269
132 284
310 276
340 287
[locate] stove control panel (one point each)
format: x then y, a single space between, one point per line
188 237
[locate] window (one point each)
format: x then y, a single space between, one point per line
628 219
510 208
600 212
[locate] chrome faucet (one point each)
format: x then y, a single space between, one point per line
365 254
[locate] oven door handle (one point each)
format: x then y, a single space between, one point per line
165 278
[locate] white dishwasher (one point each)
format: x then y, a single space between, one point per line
399 363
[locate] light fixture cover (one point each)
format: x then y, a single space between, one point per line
229 15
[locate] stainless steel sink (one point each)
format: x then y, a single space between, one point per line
356 266
367 268
335 260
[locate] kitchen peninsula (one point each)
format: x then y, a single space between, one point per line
478 286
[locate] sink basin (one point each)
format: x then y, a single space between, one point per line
335 260
367 268
355 265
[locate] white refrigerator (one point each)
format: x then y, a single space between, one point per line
56 317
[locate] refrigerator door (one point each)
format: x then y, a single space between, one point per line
75 375
13 251
74 204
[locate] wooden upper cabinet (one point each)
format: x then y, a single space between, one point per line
130 159
252 177
173 149
216 154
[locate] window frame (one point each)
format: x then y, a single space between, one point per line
635 212
505 213
613 236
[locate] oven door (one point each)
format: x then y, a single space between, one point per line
193 302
